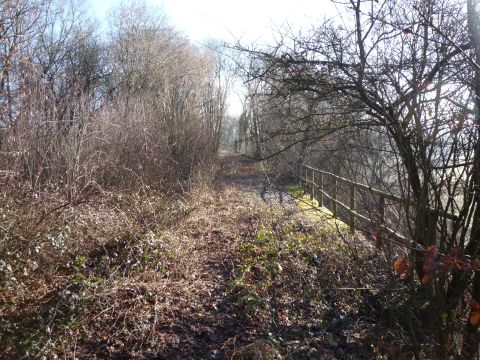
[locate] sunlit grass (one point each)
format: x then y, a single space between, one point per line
313 211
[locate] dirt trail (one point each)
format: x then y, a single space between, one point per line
298 311
233 271
291 309
205 323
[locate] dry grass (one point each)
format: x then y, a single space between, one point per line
113 275
59 266
208 275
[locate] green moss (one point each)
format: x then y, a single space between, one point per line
311 209
295 190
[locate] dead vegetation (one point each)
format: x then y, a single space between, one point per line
216 274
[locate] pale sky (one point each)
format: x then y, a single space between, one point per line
233 20
230 20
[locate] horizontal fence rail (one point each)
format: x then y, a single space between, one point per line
312 180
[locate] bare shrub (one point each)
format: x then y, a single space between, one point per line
143 107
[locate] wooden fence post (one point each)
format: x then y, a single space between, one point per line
334 197
352 207
305 178
299 176
320 185
381 210
312 190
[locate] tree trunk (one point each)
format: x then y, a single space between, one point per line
471 338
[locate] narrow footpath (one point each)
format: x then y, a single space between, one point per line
230 270
254 280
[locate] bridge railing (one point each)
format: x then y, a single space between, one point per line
314 182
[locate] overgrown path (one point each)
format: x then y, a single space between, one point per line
231 272
208 321
243 294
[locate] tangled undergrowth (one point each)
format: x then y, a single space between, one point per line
217 274
64 267
315 292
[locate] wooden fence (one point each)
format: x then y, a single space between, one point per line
312 180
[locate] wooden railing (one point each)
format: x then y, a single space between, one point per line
312 180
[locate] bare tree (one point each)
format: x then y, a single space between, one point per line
403 71
143 104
